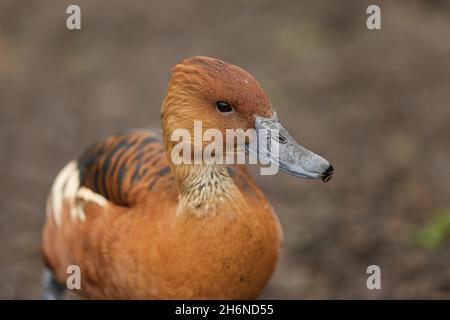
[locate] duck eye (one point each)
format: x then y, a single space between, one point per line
224 107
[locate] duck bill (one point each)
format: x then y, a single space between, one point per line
275 146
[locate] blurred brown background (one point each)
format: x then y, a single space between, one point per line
375 103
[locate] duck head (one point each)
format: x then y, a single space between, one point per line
223 96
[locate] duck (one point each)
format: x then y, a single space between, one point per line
138 225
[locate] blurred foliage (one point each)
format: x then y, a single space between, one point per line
436 232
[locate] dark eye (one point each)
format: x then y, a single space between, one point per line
224 107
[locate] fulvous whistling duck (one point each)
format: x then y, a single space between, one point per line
139 226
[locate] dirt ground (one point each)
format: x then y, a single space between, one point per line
375 103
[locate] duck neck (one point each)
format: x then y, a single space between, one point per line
204 187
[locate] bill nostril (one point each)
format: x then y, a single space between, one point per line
327 174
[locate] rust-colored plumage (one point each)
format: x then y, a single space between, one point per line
139 226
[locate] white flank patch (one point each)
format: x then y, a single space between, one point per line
67 187
56 193
87 195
